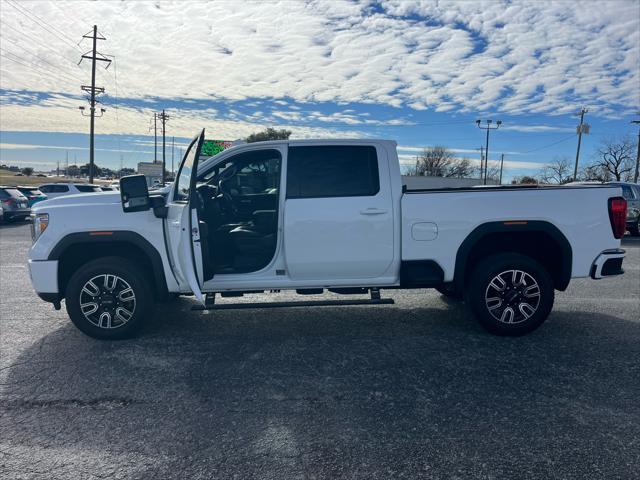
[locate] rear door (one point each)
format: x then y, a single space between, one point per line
338 213
182 232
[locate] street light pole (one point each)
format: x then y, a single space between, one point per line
486 148
581 128
635 175
501 165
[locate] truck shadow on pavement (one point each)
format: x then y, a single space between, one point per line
371 392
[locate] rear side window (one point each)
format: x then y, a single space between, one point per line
14 192
88 188
332 171
627 193
45 188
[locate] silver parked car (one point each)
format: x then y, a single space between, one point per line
15 205
631 193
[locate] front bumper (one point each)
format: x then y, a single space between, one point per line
608 263
44 276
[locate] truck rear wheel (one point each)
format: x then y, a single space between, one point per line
510 294
108 299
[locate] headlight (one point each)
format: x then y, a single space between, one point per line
39 224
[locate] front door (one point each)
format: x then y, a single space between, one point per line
182 232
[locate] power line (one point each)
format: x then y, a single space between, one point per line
40 43
39 58
31 66
549 145
34 18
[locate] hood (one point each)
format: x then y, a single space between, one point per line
101 198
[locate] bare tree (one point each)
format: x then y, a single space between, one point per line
617 157
595 173
439 161
460 168
559 171
524 180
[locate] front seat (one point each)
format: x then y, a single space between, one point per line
255 242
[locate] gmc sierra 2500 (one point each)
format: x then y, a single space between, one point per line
315 215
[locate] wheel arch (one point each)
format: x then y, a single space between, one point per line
540 240
76 249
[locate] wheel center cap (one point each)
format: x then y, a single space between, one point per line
511 296
108 300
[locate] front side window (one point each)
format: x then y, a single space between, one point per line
332 171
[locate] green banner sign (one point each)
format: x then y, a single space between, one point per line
213 147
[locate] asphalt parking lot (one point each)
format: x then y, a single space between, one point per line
415 390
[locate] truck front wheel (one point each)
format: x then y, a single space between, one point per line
108 299
510 294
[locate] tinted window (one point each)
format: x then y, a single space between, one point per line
45 188
59 188
332 171
626 192
88 188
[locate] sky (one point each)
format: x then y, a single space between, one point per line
419 73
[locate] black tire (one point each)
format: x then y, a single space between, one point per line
449 291
634 230
525 301
109 321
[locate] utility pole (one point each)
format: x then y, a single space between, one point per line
155 138
58 168
501 165
164 117
95 57
486 149
481 160
635 175
121 167
581 128
173 144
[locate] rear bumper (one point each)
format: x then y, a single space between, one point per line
44 276
608 263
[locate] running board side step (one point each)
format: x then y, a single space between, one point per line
303 303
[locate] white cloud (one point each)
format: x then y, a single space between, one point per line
516 58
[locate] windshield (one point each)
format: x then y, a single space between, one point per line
183 183
88 188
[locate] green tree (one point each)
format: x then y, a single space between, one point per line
28 171
269 134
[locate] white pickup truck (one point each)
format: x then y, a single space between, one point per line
312 216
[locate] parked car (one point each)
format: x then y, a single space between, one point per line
15 205
1 213
42 175
107 188
115 184
631 193
312 215
32 193
54 190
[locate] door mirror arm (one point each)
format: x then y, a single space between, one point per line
159 205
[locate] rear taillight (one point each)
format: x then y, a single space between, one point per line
618 216
8 201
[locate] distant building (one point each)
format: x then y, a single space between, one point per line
152 171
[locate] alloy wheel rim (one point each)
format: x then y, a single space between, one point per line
512 296
107 301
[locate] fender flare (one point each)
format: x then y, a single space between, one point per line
120 236
462 256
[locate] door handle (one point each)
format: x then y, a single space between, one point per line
373 211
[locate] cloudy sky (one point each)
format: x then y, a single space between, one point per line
416 72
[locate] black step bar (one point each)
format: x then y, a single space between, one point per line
303 303
374 300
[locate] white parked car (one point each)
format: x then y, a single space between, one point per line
54 190
316 215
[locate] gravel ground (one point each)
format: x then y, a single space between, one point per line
412 390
